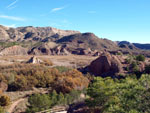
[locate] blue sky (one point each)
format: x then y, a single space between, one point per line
113 19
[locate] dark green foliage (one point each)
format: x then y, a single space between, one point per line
140 58
39 102
134 67
54 97
64 99
61 98
128 95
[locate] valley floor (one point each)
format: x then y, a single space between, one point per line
74 61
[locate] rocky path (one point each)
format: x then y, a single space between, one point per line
14 104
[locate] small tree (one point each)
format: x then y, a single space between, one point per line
134 67
39 102
140 58
4 100
68 99
53 97
61 99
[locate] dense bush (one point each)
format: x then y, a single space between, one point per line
128 95
72 79
140 58
40 102
25 76
134 67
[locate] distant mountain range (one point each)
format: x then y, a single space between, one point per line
51 41
138 45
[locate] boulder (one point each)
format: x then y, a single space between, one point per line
106 65
34 60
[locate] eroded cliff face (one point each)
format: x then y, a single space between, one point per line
3 34
52 41
14 50
32 33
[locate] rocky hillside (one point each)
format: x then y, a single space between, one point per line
52 41
135 45
87 40
32 33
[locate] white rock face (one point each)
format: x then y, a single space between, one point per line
64 32
28 33
34 60
3 34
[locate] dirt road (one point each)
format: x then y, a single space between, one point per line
14 104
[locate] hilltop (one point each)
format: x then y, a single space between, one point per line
51 41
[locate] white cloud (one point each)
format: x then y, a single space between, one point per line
12 25
10 8
13 3
92 12
57 9
12 18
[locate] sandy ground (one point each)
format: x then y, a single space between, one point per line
13 105
74 61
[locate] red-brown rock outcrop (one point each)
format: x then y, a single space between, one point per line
106 65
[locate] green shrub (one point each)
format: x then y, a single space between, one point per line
134 67
38 102
130 95
140 58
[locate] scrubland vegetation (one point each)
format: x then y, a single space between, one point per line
25 76
63 80
40 102
130 94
